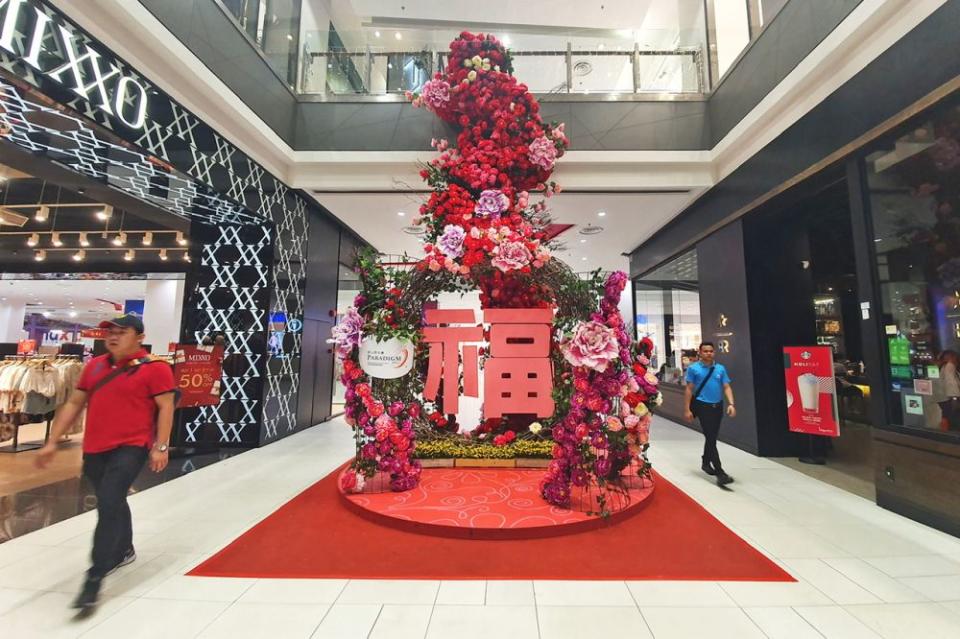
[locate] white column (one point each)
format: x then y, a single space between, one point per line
162 309
12 315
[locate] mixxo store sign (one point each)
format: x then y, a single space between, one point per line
55 51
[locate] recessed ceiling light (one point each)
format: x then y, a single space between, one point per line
72 313
398 35
47 313
376 34
601 213
401 213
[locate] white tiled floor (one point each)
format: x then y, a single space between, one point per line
863 571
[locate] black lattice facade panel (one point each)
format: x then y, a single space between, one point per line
252 267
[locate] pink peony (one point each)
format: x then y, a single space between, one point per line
614 424
593 345
511 256
436 94
543 153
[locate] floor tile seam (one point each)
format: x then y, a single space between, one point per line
225 608
639 609
822 561
436 597
375 620
753 621
864 587
798 582
100 622
807 621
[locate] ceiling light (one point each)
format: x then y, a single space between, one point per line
389 65
163 254
106 213
601 213
584 259
290 37
398 35
186 257
72 313
83 239
376 34
182 241
40 255
78 257
128 256
33 240
120 239
583 241
42 214
55 240
401 213
505 40
600 46
148 238
47 313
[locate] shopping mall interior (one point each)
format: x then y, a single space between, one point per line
357 318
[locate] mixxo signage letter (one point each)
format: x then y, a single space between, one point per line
70 63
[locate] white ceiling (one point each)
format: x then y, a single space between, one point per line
62 297
630 219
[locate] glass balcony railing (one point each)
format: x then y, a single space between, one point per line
620 70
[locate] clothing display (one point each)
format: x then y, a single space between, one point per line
32 388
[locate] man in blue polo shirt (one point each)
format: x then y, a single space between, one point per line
707 384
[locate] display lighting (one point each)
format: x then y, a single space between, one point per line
55 239
163 255
42 214
128 256
79 255
83 239
120 239
181 240
148 238
106 213
33 240
40 255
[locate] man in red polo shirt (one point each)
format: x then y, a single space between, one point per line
130 401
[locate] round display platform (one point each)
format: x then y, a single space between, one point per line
489 503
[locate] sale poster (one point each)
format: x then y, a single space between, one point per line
811 390
197 370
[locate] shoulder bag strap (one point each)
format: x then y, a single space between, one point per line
115 373
703 383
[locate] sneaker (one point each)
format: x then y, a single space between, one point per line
128 558
723 479
89 594
707 467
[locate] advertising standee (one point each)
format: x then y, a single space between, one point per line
197 371
811 390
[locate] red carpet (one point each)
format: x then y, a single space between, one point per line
490 503
315 536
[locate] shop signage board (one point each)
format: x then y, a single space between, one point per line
899 351
94 333
55 51
197 371
388 359
811 390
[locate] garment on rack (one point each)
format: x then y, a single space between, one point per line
31 387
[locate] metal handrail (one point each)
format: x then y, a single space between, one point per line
435 60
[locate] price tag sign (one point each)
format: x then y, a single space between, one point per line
197 370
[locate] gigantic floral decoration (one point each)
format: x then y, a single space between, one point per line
484 228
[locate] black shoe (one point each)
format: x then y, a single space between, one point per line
723 479
89 594
707 467
128 558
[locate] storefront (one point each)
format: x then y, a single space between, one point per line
106 174
860 257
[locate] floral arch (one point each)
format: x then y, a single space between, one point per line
485 228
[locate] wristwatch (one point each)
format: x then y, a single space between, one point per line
162 448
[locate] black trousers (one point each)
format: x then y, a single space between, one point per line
112 473
710 416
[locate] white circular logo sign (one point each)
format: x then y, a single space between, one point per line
388 359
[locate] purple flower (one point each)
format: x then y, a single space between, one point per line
348 332
450 242
492 203
436 94
543 153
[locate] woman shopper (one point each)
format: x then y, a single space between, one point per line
129 400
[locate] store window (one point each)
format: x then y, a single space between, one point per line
914 195
668 312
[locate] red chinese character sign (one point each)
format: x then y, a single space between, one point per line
811 390
546 352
